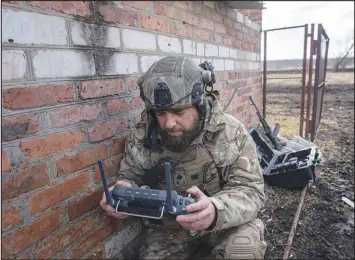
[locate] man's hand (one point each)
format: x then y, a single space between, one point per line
204 212
109 209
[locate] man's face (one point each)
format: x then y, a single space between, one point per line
178 128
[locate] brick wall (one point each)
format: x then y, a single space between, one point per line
69 98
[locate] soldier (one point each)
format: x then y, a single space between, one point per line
214 159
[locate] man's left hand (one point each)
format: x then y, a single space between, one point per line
203 210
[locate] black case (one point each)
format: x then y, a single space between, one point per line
293 167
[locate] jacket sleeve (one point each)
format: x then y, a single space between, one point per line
243 195
131 166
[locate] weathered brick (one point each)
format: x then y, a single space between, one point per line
228 22
169 44
107 129
238 26
123 105
118 145
63 63
146 62
58 242
85 204
117 63
57 193
155 24
130 40
190 19
13 64
93 239
111 168
168 11
53 144
74 114
236 44
18 241
211 14
90 34
217 38
227 40
186 5
19 126
10 217
141 5
221 8
220 28
24 181
131 82
5 165
98 253
83 159
182 30
33 28
118 15
207 24
80 8
100 88
28 97
197 7
202 35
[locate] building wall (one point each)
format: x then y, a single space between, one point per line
69 98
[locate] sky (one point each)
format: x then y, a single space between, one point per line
337 19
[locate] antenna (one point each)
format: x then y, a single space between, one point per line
168 186
110 201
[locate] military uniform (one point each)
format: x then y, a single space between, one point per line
223 160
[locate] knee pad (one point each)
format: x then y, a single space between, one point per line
247 242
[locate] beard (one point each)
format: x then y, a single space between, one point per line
179 143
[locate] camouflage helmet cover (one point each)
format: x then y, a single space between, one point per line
172 82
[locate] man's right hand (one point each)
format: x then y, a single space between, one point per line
109 209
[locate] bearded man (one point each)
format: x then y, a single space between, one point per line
212 157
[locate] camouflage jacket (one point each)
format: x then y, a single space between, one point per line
224 150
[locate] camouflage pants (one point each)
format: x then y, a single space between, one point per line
243 242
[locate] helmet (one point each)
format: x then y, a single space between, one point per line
173 82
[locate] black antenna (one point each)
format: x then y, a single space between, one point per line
110 201
168 186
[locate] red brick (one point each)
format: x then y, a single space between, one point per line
118 15
236 44
50 145
28 97
156 24
74 114
84 159
85 204
24 256
12 2
5 165
246 47
80 8
57 193
186 5
182 30
18 241
197 6
94 238
19 126
211 14
111 167
132 84
216 38
227 40
10 218
190 19
24 181
58 242
123 105
141 5
207 24
202 35
220 28
107 129
238 26
118 145
168 11
100 88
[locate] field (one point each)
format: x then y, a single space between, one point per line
326 225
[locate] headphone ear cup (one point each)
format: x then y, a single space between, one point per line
206 76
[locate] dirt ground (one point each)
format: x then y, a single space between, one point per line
326 225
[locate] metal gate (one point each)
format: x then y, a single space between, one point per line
293 88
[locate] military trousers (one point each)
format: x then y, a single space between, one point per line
242 242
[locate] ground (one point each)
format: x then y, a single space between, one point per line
326 225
